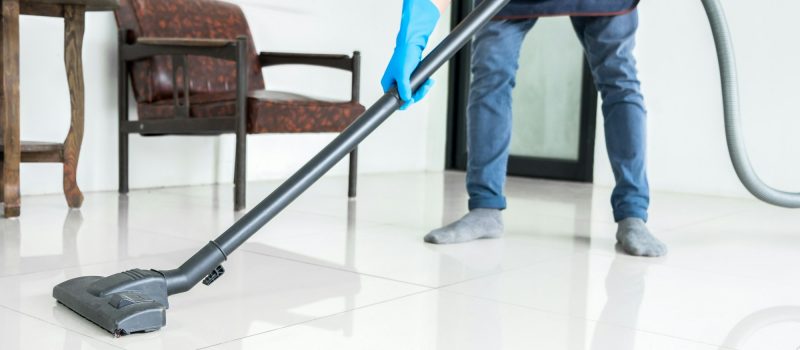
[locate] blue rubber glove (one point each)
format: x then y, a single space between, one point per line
417 23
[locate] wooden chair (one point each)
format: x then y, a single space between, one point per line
195 71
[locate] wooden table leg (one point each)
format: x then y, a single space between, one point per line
74 20
10 108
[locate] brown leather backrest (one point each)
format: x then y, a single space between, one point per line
208 19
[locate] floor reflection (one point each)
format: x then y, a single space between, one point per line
350 286
625 288
13 260
123 229
347 294
488 257
758 321
552 283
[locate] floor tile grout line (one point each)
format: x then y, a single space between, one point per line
333 215
511 269
322 317
197 240
22 274
664 263
146 231
277 182
61 327
63 268
245 249
193 240
415 283
702 221
367 223
342 269
338 269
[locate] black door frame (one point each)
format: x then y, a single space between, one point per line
581 170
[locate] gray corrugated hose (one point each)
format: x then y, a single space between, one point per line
730 98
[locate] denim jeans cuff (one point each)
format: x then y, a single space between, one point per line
487 203
626 214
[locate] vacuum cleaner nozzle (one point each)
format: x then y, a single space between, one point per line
128 302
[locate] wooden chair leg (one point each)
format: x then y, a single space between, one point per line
10 108
353 175
73 45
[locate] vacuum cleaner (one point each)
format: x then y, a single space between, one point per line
136 300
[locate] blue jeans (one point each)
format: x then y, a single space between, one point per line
608 43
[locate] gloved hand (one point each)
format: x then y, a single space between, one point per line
416 25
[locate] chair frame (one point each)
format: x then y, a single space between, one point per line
132 49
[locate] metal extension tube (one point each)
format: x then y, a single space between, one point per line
213 254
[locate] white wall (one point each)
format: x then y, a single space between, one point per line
410 141
687 151
676 61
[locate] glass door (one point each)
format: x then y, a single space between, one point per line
554 105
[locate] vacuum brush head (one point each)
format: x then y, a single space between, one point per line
128 302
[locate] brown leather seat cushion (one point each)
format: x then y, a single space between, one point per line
267 111
91 5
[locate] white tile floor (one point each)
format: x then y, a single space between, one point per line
333 274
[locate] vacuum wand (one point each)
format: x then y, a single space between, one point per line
207 259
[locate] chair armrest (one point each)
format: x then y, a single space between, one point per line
343 62
349 63
185 42
142 48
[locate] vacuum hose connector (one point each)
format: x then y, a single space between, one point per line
730 100
203 264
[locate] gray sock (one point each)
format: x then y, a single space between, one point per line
477 224
636 239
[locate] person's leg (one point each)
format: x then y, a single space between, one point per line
609 43
495 53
